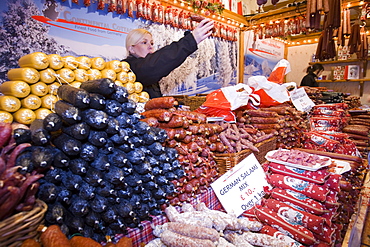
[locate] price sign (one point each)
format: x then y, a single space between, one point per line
300 100
240 188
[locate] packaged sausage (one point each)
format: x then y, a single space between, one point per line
312 222
266 229
318 177
334 107
311 190
315 141
297 232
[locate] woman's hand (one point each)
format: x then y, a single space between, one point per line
203 30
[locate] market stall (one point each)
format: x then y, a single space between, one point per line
88 158
110 168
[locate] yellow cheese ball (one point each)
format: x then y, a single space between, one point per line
24 116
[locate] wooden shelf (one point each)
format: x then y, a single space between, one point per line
285 10
350 80
363 66
339 61
282 11
224 17
266 17
361 81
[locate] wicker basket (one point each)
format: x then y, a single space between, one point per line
15 229
227 161
192 101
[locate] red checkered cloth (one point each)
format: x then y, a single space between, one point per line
146 234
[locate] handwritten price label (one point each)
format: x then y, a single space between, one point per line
300 100
242 187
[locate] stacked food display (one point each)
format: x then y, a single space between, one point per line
105 165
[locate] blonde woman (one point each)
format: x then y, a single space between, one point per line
151 66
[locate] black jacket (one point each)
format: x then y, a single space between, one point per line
310 80
151 69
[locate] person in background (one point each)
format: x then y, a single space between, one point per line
313 73
151 66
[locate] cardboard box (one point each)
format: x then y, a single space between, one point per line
352 72
338 73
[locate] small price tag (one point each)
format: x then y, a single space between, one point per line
241 187
300 100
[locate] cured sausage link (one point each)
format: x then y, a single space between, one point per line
161 103
193 231
160 114
332 155
173 239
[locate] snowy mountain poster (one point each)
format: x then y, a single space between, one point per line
70 27
260 55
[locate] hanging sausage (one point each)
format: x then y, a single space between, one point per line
281 28
112 7
168 16
317 20
155 12
121 7
302 26
148 10
131 8
313 8
355 39
101 4
139 8
319 5
331 45
182 21
326 6
363 51
318 54
261 2
160 13
334 14
348 22
175 17
340 35
308 14
294 26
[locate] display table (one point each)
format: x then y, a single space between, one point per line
143 236
354 233
352 237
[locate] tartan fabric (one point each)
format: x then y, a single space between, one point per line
145 235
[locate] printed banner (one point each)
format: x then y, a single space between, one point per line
66 28
260 55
